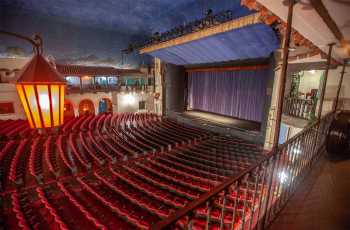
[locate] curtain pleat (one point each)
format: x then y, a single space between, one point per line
239 94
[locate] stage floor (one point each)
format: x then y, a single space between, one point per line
221 120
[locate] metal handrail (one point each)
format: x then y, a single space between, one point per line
202 200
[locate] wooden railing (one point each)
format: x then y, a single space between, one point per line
301 108
252 199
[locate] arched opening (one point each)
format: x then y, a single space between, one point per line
68 110
86 107
105 106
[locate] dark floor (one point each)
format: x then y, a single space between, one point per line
221 120
322 202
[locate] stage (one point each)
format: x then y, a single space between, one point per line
221 120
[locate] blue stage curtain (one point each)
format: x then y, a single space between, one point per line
239 94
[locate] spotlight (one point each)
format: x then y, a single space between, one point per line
312 71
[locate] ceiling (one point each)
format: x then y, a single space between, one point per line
94 32
259 41
310 24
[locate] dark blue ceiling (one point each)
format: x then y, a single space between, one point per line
250 42
94 31
127 16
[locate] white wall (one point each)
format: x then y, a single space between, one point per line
11 64
310 80
331 90
76 98
330 94
8 93
126 102
129 102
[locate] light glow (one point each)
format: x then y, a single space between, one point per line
44 101
128 99
55 93
283 177
296 150
42 104
33 105
25 105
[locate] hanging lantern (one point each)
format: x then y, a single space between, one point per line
41 90
40 87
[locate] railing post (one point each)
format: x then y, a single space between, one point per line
209 205
223 209
324 83
81 83
245 201
190 221
237 185
282 82
256 185
339 87
269 195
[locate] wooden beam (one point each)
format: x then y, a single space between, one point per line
221 28
323 12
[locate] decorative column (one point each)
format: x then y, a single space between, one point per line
158 87
283 77
339 87
81 82
324 83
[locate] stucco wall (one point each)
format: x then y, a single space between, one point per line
76 98
175 86
331 90
11 64
8 93
330 93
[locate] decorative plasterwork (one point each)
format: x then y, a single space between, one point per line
298 39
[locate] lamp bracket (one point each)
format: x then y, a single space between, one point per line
36 40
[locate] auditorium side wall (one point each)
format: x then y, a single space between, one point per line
174 88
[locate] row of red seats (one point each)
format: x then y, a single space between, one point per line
16 129
90 182
10 129
168 187
79 152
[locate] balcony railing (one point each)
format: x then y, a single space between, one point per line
252 199
106 88
301 108
208 21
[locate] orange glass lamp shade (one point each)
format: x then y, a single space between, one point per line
41 90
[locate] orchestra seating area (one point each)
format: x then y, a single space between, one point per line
116 171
